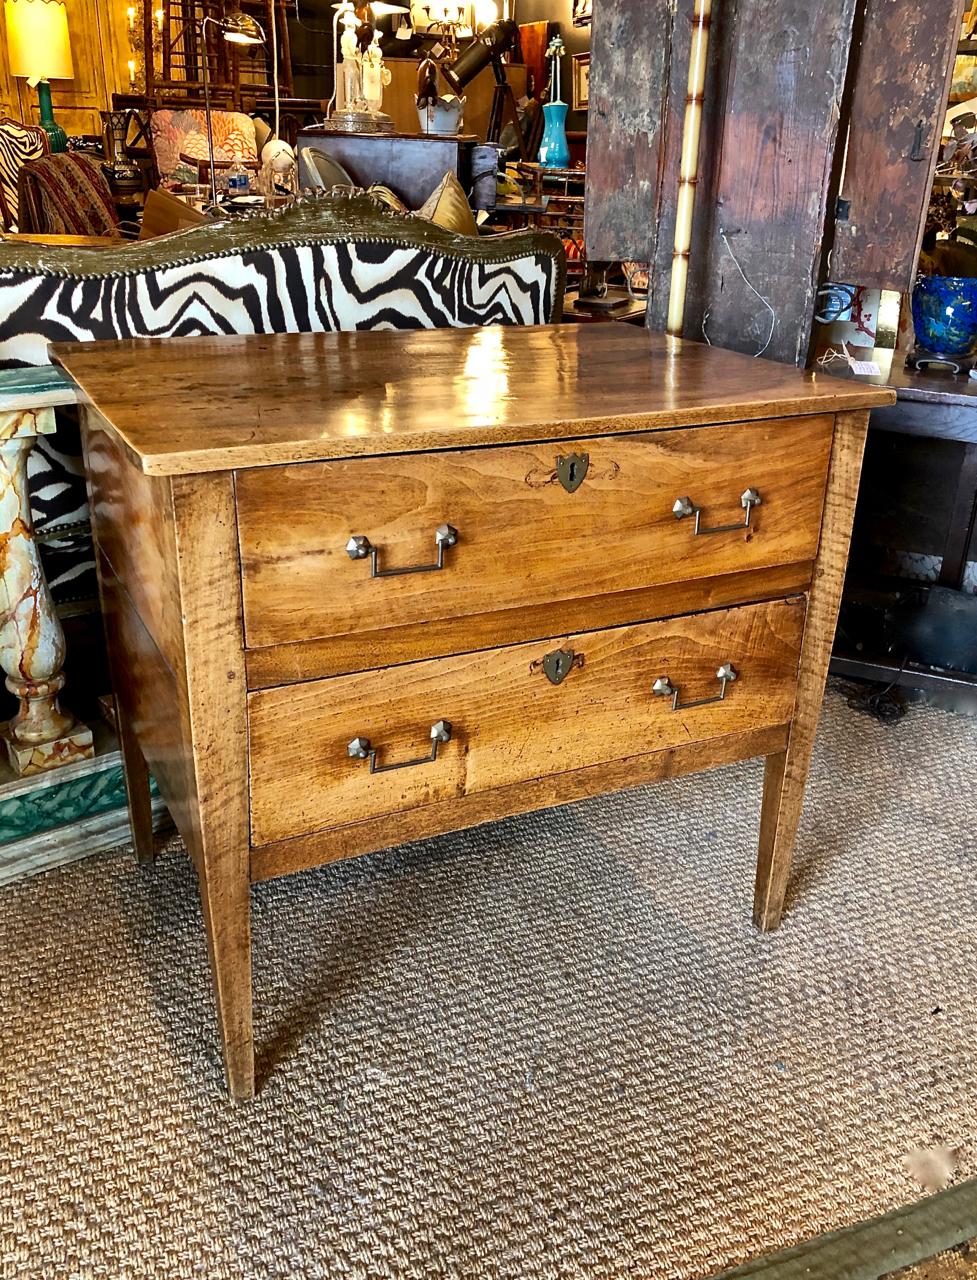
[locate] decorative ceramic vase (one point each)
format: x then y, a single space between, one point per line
554 150
444 117
945 314
118 168
56 136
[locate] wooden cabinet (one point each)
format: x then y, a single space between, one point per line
613 610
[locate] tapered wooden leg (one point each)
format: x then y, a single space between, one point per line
226 901
138 796
786 773
218 835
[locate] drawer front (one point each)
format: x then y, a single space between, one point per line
525 536
518 713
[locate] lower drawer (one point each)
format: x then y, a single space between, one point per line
509 715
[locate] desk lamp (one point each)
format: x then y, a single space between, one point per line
488 49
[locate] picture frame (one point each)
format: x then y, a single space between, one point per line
582 12
581 81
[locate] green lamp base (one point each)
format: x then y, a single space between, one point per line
56 135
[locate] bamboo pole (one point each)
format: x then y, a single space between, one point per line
688 167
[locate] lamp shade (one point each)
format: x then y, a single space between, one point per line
240 28
37 40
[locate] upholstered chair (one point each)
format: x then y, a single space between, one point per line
19 143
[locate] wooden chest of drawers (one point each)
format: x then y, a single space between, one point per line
363 588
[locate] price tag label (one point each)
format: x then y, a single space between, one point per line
867 368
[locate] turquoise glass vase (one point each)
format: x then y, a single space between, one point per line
554 150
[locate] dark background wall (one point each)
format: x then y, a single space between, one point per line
576 39
312 49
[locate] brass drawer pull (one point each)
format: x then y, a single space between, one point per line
665 689
360 749
358 548
684 507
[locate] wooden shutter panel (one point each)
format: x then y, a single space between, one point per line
897 112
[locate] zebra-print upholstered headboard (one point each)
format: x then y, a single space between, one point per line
325 264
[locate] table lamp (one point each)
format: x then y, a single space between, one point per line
38 49
351 120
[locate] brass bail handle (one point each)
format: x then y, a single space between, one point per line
359 547
664 688
360 749
682 508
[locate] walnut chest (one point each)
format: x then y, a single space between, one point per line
362 588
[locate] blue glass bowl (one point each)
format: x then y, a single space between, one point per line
945 314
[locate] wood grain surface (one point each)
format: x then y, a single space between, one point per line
522 538
510 723
215 716
132 515
625 126
489 806
259 400
773 103
898 105
359 651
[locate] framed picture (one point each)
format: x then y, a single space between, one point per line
581 81
582 12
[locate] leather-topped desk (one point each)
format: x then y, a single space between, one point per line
363 588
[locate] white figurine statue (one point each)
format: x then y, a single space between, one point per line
352 64
375 76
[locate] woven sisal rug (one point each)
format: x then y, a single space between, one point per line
553 1047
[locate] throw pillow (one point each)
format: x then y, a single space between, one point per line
447 206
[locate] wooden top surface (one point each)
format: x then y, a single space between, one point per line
64 242
930 386
184 405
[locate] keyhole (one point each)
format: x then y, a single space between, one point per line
573 473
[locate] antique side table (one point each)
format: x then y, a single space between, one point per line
362 588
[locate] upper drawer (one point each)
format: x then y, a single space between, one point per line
531 529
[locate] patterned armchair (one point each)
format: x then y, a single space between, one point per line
323 265
179 139
19 143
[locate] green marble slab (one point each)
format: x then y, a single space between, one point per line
48 807
39 387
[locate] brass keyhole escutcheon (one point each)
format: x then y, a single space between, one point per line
572 470
557 665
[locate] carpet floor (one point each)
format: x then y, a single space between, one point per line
552 1047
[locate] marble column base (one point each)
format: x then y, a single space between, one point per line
41 736
30 758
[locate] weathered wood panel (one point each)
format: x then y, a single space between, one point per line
898 104
629 84
774 100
